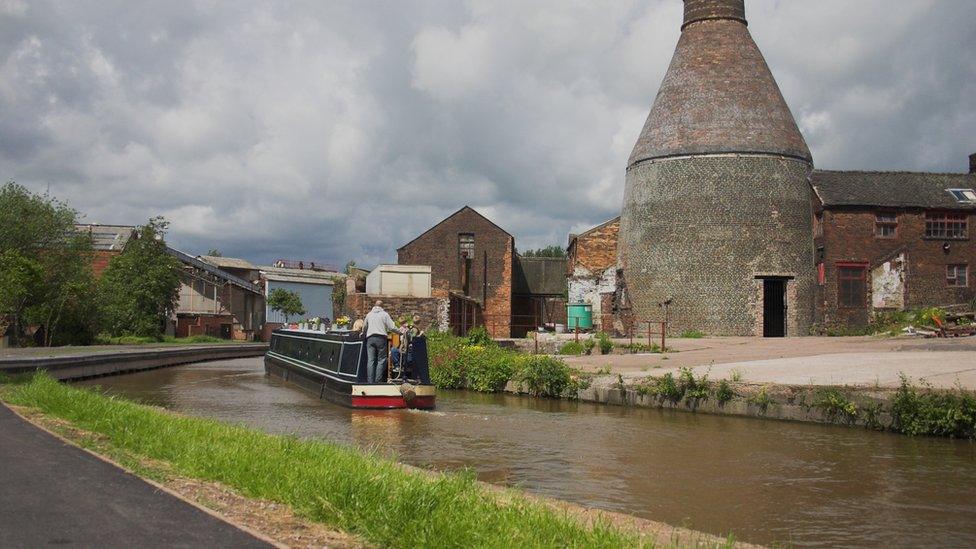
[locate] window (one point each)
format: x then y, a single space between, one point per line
966 196
885 224
466 245
945 225
851 288
818 224
956 275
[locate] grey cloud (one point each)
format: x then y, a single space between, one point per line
341 130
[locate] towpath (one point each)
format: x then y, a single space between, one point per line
855 361
54 493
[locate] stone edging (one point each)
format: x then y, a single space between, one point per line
109 363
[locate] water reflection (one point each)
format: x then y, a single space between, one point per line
765 480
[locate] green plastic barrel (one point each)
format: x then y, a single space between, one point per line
579 315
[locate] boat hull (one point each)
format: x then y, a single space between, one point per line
349 392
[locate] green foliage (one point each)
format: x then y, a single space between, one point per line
488 368
927 412
455 364
345 488
761 399
736 375
214 252
834 404
724 393
572 348
692 387
668 389
643 347
543 375
549 251
692 334
105 339
286 302
138 290
604 342
479 336
45 276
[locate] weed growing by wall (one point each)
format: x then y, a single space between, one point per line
922 411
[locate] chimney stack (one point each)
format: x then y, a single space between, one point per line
972 163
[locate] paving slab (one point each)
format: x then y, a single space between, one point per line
53 493
860 361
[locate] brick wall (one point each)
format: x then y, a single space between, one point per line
494 254
699 230
849 238
100 261
433 311
595 250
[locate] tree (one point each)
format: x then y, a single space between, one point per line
214 252
285 302
549 251
45 276
139 288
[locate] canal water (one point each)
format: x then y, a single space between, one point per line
765 481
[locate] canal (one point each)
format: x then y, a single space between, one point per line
766 481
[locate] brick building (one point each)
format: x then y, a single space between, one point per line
471 259
717 217
716 212
216 303
892 240
591 270
108 241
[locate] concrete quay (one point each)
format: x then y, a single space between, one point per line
783 378
68 363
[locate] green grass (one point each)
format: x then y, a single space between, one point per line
358 492
165 340
692 334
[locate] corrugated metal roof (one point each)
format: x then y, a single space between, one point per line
892 189
298 279
223 275
227 262
108 237
301 273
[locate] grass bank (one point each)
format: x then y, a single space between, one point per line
165 340
361 493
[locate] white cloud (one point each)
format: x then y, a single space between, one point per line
341 130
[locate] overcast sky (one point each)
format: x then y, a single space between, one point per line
341 130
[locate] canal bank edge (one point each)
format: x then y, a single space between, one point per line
649 532
86 365
853 406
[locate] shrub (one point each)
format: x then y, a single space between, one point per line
643 348
606 344
692 334
668 389
928 412
544 375
480 336
446 367
760 399
834 404
488 369
691 387
572 348
724 393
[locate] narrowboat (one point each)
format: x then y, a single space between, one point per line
332 365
